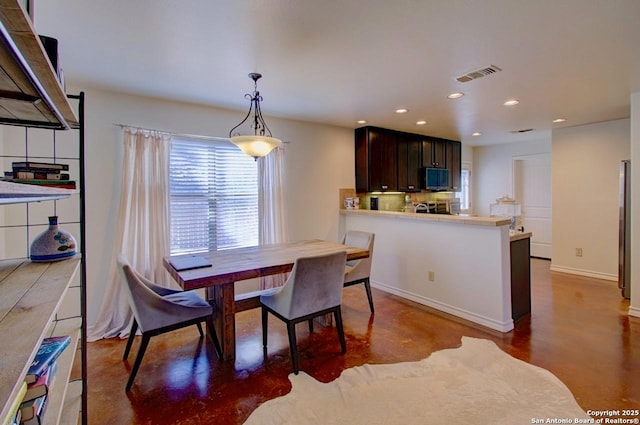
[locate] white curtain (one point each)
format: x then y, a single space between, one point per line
272 207
143 232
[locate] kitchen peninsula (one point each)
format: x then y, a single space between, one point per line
460 265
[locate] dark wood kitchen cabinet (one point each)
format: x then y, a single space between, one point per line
376 160
520 278
390 160
409 162
434 152
454 164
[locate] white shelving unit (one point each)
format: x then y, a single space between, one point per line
32 294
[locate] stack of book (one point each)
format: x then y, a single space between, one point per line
38 380
41 173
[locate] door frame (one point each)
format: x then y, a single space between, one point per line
514 181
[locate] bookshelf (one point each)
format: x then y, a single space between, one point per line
30 295
39 122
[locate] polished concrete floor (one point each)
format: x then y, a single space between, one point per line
579 330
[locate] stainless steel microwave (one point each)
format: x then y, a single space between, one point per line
436 179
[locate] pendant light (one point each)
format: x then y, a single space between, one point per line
261 142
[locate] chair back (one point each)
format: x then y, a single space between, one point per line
361 268
150 309
315 284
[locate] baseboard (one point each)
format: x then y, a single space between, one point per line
587 273
634 311
455 311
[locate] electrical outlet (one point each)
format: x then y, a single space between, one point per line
432 276
578 252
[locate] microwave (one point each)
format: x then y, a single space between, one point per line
436 179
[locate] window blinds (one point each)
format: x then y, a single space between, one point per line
214 196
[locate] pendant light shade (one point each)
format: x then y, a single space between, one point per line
261 142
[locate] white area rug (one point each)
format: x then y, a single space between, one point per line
475 384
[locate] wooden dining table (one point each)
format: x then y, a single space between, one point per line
232 265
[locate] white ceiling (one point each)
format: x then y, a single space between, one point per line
340 61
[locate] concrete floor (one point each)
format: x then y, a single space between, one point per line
579 330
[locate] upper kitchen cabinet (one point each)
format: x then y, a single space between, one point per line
376 160
409 162
454 164
31 94
434 152
390 160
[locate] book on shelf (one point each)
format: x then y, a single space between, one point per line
32 411
63 184
39 165
36 175
13 414
41 386
49 350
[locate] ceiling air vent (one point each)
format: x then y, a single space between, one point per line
487 70
526 130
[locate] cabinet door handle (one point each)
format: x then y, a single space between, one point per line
411 187
384 187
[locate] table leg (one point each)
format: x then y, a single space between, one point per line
222 298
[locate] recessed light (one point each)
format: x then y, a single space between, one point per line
362 121
401 110
455 95
421 122
511 102
559 120
476 134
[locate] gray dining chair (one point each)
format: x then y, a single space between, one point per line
314 288
358 271
157 310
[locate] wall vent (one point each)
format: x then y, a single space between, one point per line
487 70
526 130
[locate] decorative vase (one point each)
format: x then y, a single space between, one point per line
54 244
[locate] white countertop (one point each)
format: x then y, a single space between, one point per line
516 236
445 218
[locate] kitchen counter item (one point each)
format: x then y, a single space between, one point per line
507 207
373 203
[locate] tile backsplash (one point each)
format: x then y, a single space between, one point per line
393 201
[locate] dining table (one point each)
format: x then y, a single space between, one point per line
217 272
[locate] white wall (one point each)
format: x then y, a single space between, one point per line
319 161
471 264
585 164
493 171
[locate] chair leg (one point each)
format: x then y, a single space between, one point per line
367 287
214 336
337 313
291 330
132 334
200 330
136 364
265 320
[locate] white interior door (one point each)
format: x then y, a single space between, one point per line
532 190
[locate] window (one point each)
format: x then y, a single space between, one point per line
214 196
465 177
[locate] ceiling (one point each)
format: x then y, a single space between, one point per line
337 62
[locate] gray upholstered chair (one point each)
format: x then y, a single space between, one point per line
157 310
358 271
314 288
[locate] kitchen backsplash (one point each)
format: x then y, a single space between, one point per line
393 201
